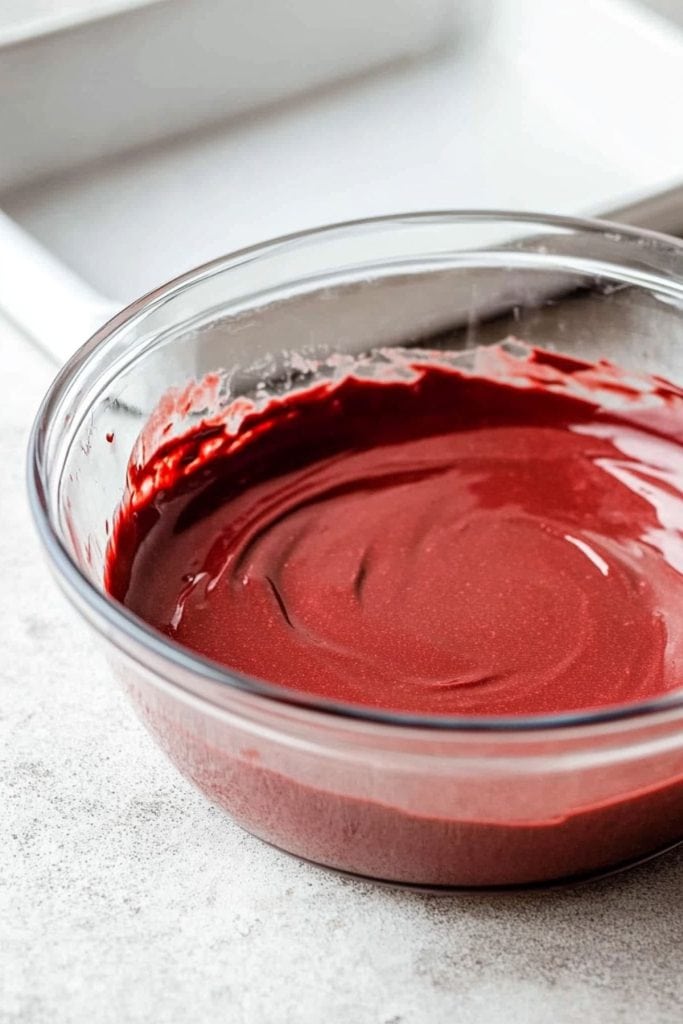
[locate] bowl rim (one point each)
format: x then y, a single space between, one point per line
116 623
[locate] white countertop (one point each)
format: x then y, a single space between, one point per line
126 897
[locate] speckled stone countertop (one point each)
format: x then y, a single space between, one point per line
126 897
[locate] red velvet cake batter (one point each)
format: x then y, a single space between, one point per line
502 541
497 537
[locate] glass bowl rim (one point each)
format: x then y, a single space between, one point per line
124 625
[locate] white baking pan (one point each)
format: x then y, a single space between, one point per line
557 107
82 79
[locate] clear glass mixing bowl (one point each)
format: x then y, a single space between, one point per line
444 804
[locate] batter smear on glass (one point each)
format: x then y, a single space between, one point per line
423 534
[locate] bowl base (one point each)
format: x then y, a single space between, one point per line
550 885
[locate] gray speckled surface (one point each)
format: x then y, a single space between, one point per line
124 896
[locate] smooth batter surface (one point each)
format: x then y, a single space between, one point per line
502 539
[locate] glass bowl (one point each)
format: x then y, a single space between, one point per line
456 803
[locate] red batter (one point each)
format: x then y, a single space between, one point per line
455 543
418 536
